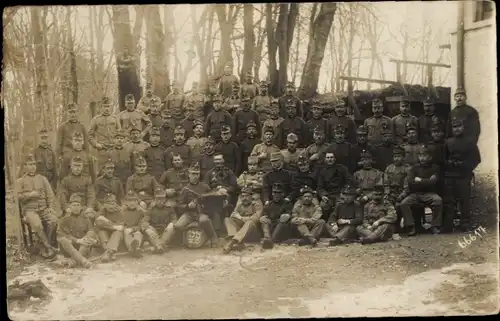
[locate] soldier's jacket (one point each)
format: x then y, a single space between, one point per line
298 103
367 178
123 163
46 162
352 211
465 155
74 227
311 124
182 150
291 125
206 163
174 101
248 90
214 122
346 122
356 155
312 211
175 178
343 154
191 192
425 123
135 118
143 185
81 185
282 176
274 210
39 183
332 178
167 133
196 145
321 150
273 123
290 159
198 100
253 210
375 128
65 136
134 217
188 125
232 104
160 216
384 211
88 164
246 148
155 158
231 153
111 185
240 120
133 148
470 118
437 153
102 130
382 156
226 83
399 126
411 153
253 180
144 103
394 178
221 177
261 104
265 164
301 179
425 172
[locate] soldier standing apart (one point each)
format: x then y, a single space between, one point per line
216 119
230 150
306 218
76 235
467 114
109 227
251 140
142 183
67 129
197 141
291 124
262 102
46 159
402 121
273 121
346 216
108 183
374 123
179 148
243 220
36 200
242 118
121 158
264 150
146 101
379 218
227 81
367 177
340 117
155 155
275 217
132 117
284 102
102 131
422 182
248 89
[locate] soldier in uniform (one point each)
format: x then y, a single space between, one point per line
102 131
382 153
230 150
198 101
248 89
379 218
141 182
306 217
367 177
411 146
253 179
346 216
247 145
339 117
175 178
467 114
197 142
146 101
291 124
303 176
241 118
243 220
121 158
174 102
275 217
162 213
273 121
179 148
207 156
277 174
360 146
188 122
264 150
46 159
227 81
36 200
109 226
67 129
426 121
316 151
421 190
155 155
342 150
462 157
88 161
284 102
437 149
77 183
400 122
262 102
394 177
132 117
216 119
374 123
165 123
108 183
291 153
232 103
136 145
76 235
317 121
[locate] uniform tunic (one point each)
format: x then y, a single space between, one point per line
226 83
382 156
174 178
411 153
27 184
425 123
46 163
298 105
347 123
383 211
240 120
232 155
343 154
156 161
366 179
291 125
375 128
265 163
123 163
290 159
331 179
144 103
249 90
206 163
232 104
81 185
88 164
274 124
135 118
301 179
470 118
282 176
312 124
198 100
214 122
261 104
246 147
65 136
394 179
109 185
175 102
74 227
317 149
102 129
400 122
196 145
133 148
188 125
143 185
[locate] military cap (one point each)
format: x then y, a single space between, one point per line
71 106
429 101
290 84
378 187
366 154
75 198
197 123
424 150
109 162
290 102
292 137
149 84
160 193
263 83
43 132
349 190
306 189
179 130
315 103
278 187
456 121
377 102
246 190
340 102
339 129
29 158
362 130
134 128
251 124
274 101
195 168
154 131
253 160
436 127
302 160
140 160
129 97
460 90
131 196
77 160
77 135
398 151
225 129
276 156
405 100
268 129
210 140
410 126
106 101
119 133
318 130
245 98
217 97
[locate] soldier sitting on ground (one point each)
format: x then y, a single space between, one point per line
306 218
348 214
162 212
109 227
76 235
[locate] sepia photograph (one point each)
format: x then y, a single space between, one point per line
251 160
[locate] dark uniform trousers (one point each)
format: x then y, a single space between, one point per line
43 223
309 229
344 233
79 253
109 238
275 230
382 233
241 230
432 200
457 190
183 222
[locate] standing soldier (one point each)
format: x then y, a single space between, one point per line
109 227
275 217
291 124
264 150
411 146
67 129
102 131
121 158
108 183
146 101
367 177
382 153
179 148
230 150
342 150
227 81
251 140
36 200
46 159
174 179
360 146
188 122
253 179
306 218
284 102
291 153
346 216
141 183
248 89
317 121
467 114
331 179
197 141
402 121
174 102
274 119
316 151
207 156
241 118
216 119
374 123
155 155
78 151
131 117
277 174
232 103
262 102
136 145
427 120
340 117
198 101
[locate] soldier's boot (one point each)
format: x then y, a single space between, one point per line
367 240
267 243
412 231
34 221
168 236
133 242
229 246
207 226
307 238
154 239
335 241
75 254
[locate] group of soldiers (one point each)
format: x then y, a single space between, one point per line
240 164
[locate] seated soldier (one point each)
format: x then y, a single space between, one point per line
36 200
162 212
305 176
108 183
366 177
348 214
76 235
275 217
421 190
243 220
109 227
306 218
253 178
379 218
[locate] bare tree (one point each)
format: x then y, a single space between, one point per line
248 51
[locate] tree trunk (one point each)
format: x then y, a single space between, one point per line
156 45
257 59
249 43
271 51
225 24
350 46
128 81
73 88
316 50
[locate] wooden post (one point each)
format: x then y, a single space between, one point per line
11 158
398 72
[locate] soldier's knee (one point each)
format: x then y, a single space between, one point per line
33 220
64 241
320 222
359 229
204 219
